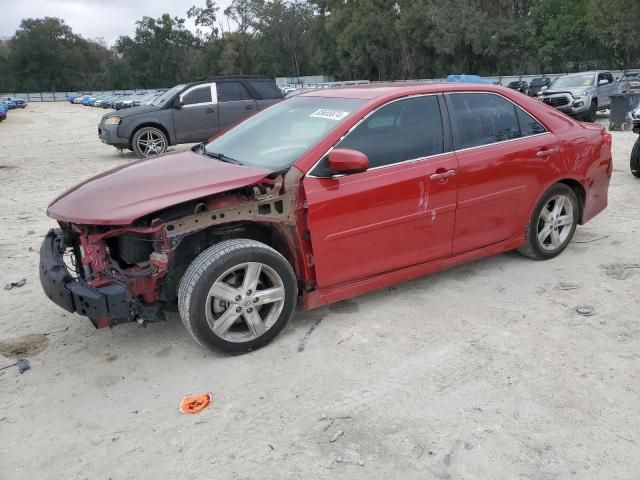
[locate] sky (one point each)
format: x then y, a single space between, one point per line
107 19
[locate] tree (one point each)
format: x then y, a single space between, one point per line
45 54
206 17
282 36
162 53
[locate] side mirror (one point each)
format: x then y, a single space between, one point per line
603 82
178 104
544 88
345 160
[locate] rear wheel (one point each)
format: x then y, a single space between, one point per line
149 141
237 295
552 224
635 159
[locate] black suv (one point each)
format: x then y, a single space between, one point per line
536 85
187 113
520 85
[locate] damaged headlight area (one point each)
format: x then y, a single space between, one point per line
111 277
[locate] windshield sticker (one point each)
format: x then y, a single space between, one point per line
329 114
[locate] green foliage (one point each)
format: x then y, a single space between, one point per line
369 39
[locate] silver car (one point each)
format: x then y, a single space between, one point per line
582 95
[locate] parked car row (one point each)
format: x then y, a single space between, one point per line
117 101
13 102
9 103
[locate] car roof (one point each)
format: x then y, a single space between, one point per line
220 78
397 89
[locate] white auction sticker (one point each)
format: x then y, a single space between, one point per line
329 114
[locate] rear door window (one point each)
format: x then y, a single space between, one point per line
528 124
482 119
232 92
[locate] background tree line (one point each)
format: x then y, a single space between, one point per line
350 39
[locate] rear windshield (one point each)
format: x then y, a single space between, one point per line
266 89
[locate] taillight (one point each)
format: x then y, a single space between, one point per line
607 138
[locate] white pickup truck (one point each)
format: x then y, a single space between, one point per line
581 95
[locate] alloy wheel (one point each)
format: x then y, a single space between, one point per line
245 302
555 223
151 143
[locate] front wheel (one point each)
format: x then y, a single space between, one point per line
552 224
237 295
590 116
635 159
149 141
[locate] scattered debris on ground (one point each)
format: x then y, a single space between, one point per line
303 342
195 403
567 286
22 364
334 438
18 284
585 310
591 240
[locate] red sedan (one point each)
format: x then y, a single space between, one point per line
321 197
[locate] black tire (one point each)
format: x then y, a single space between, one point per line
540 250
635 159
209 268
590 116
149 134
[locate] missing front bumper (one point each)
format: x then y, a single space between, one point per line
105 306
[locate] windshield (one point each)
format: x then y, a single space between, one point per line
632 76
276 137
574 81
538 81
167 95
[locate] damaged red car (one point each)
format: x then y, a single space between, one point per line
321 197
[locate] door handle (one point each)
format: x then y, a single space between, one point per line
442 175
210 110
546 152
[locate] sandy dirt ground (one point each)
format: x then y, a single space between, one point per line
485 371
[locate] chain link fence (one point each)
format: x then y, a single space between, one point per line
64 96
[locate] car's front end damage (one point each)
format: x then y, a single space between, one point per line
129 268
111 277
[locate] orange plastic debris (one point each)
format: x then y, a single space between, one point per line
195 403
